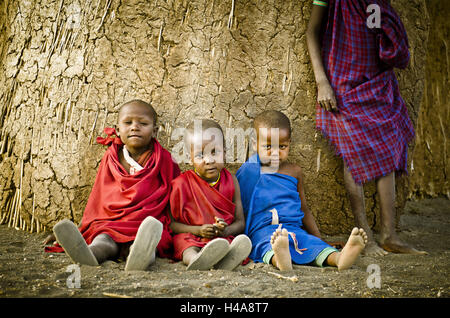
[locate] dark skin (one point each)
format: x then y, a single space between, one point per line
273 151
326 98
136 129
268 153
208 167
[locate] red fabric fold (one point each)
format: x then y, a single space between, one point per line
119 202
194 202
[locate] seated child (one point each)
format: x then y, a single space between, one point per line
206 205
129 199
280 225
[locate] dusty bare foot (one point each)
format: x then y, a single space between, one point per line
395 245
355 244
372 249
280 245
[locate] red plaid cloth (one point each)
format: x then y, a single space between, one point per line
372 129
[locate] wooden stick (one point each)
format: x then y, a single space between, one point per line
185 15
7 210
318 160
62 41
55 40
71 115
104 15
59 10
293 279
93 127
96 9
160 36
290 83
31 145
32 214
66 115
16 206
230 18
73 39
19 208
79 126
11 212
38 226
116 295
4 142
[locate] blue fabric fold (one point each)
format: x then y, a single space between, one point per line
261 194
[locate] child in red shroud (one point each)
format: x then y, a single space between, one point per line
206 205
128 204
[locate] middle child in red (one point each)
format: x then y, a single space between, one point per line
206 205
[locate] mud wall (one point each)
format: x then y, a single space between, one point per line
66 66
430 167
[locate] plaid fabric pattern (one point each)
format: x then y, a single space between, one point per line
372 128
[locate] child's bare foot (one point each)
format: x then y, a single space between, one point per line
395 245
280 245
355 244
372 249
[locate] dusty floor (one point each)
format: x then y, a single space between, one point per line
26 271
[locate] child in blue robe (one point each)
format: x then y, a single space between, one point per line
278 221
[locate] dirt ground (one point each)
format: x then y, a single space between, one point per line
26 271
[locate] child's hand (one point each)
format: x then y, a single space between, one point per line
326 97
49 239
207 231
220 226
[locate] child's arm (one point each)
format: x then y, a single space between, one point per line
309 223
205 230
238 225
325 93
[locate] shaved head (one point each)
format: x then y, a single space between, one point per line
272 119
151 111
205 125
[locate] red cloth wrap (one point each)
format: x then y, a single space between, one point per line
194 202
119 202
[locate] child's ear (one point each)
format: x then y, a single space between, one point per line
117 130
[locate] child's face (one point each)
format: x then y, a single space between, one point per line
272 145
207 157
135 127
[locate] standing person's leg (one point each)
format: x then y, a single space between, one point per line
356 195
388 236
